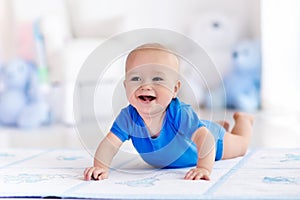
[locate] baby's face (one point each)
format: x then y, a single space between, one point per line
151 80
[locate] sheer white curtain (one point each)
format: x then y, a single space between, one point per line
281 54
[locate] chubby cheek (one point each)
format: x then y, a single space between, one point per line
165 101
164 96
130 96
130 90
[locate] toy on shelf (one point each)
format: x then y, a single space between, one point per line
21 102
216 33
242 84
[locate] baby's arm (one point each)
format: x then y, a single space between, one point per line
205 143
105 152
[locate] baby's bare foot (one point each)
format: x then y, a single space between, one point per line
225 124
243 115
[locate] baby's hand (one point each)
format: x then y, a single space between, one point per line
197 174
95 173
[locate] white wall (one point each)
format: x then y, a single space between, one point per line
6 31
32 9
177 15
281 54
15 12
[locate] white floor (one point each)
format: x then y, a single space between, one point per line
277 129
272 129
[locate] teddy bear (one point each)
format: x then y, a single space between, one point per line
242 85
216 33
21 101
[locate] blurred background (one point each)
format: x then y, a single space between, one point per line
254 45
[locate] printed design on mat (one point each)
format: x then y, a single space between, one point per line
281 180
291 157
69 158
6 155
34 178
148 181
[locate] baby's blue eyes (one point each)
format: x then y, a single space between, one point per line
136 79
153 79
157 79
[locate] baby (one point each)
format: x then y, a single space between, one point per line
166 132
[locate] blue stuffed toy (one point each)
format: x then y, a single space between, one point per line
21 102
242 85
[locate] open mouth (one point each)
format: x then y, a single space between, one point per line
146 98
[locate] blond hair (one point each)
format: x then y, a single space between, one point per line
151 46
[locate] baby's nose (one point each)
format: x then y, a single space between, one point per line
146 86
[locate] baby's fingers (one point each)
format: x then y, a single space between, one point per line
88 173
202 177
189 175
196 174
99 174
94 173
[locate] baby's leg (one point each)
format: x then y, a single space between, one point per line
237 141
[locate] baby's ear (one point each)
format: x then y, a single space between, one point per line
124 84
176 88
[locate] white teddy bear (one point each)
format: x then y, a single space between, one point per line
21 102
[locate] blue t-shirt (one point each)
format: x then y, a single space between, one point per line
173 147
